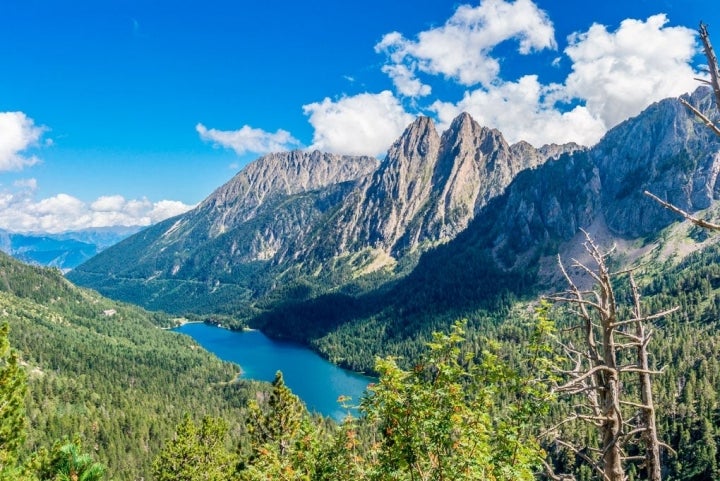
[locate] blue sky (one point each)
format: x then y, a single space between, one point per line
128 111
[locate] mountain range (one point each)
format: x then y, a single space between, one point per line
313 246
65 250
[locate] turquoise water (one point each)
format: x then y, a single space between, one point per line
316 381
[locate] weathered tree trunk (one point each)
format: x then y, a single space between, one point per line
611 429
647 414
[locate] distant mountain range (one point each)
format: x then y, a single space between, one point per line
64 251
445 223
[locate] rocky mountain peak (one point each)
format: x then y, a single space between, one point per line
290 173
418 141
280 174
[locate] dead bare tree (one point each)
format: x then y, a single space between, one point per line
613 353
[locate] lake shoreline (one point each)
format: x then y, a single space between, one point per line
317 381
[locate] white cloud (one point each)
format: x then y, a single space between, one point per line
27 184
21 212
614 75
620 73
18 132
461 48
248 139
405 82
165 209
108 203
362 124
519 111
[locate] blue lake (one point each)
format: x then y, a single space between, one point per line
316 381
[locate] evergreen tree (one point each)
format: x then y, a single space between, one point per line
284 442
197 453
67 462
13 387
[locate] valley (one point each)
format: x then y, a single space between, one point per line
360 260
359 241
370 259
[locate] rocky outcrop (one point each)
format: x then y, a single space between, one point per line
376 214
276 175
666 151
427 190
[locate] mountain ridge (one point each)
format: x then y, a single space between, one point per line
437 218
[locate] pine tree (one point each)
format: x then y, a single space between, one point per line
67 462
284 443
13 387
197 453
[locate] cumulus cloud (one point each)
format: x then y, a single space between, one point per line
21 212
356 125
18 132
405 81
521 112
619 73
248 139
461 49
614 75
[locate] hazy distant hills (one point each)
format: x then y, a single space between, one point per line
446 223
64 251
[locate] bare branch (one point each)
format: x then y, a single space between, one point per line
585 457
709 123
630 403
651 317
668 448
556 477
686 215
712 61
584 376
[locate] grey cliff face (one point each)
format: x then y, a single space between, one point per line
428 188
279 174
377 212
666 151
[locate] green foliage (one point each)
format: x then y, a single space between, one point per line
283 442
67 462
196 453
118 381
13 387
453 418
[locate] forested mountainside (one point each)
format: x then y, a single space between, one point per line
119 381
106 371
